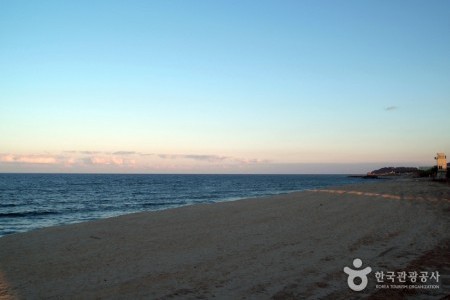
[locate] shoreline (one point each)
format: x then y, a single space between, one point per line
30 216
288 245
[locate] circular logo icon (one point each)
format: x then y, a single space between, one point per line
353 274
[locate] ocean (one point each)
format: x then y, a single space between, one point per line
31 201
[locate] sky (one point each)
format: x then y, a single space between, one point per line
223 86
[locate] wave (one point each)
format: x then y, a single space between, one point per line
10 205
27 214
163 203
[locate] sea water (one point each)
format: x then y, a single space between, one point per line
31 201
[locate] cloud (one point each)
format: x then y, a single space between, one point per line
248 161
125 153
199 157
28 159
91 152
84 152
123 160
207 157
121 152
78 158
390 108
212 158
104 160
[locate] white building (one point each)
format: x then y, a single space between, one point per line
441 159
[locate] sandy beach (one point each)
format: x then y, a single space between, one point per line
291 246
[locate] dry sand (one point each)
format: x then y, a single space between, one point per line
291 246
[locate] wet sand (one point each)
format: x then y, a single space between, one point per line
291 246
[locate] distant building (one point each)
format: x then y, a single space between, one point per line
441 159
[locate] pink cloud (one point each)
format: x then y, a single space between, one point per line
28 159
7 158
212 158
127 160
108 160
248 161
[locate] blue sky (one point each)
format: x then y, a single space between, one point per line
223 86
